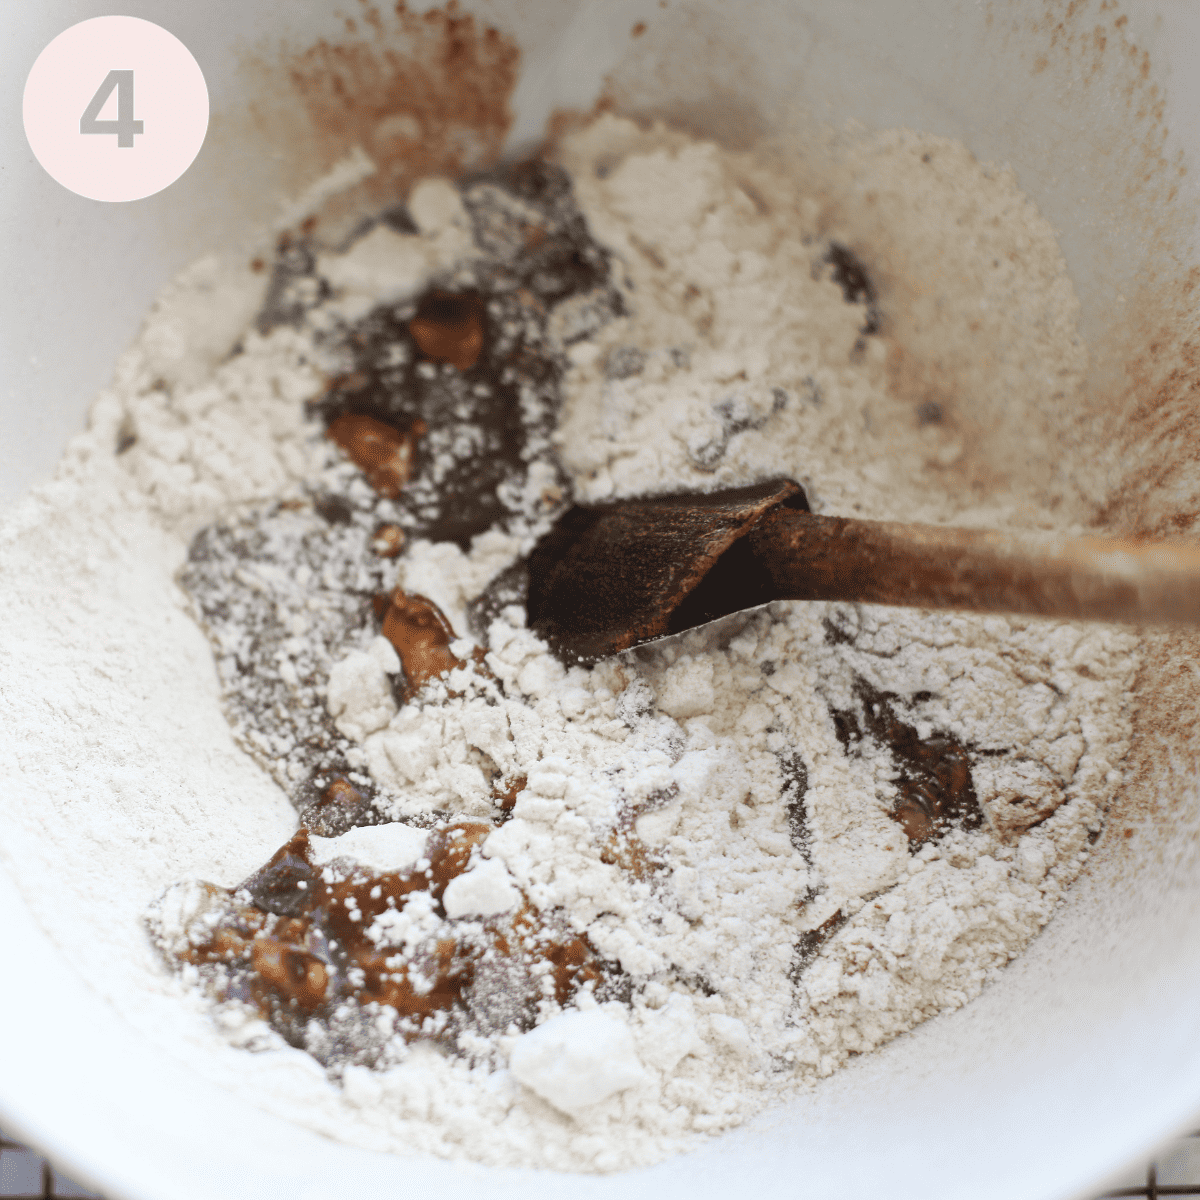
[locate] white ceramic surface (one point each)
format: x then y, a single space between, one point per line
1087 1052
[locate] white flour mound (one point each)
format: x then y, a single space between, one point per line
738 360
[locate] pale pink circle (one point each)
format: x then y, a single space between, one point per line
169 98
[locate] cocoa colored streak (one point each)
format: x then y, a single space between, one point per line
809 944
813 557
450 328
421 635
425 94
386 456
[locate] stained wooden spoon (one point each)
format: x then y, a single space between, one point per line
614 576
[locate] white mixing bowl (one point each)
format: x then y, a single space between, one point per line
1086 1054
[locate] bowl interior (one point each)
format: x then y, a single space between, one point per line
1087 1051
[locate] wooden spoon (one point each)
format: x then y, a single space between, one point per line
611 577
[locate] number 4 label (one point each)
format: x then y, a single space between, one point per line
170 86
124 126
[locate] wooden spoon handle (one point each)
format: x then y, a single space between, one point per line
812 557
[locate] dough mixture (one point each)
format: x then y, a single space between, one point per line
576 916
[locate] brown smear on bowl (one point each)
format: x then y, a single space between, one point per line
423 94
1140 413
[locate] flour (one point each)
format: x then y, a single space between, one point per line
719 814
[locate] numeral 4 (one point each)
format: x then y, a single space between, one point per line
124 126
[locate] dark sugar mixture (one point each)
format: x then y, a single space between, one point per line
327 954
444 411
472 368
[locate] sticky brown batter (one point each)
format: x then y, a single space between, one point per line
296 941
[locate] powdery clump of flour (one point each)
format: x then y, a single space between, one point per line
739 359
947 412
